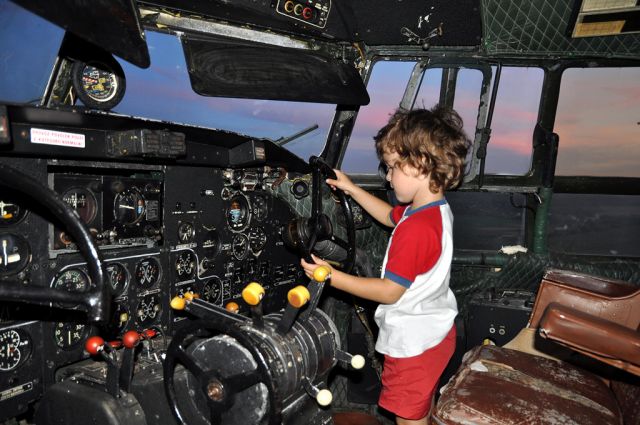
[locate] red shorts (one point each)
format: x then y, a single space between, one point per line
408 384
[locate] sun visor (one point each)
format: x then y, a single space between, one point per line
232 68
112 25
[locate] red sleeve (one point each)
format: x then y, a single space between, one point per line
415 249
396 213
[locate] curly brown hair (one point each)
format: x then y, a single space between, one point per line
429 140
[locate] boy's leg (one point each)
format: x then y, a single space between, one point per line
402 421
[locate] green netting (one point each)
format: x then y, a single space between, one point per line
539 27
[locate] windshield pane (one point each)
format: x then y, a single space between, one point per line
386 86
162 92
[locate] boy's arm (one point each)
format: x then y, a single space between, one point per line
376 207
381 290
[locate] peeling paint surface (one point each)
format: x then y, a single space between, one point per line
498 386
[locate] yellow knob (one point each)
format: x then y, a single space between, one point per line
252 293
178 303
298 296
321 273
232 307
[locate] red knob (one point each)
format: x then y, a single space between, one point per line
307 13
130 339
149 333
93 345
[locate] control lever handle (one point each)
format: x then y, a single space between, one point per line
320 275
324 397
356 361
96 345
252 294
297 298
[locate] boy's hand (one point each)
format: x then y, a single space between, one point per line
343 182
309 267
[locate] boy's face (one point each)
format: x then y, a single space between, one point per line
406 181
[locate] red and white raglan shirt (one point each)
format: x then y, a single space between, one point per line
419 258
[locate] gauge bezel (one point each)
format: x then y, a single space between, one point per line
127 279
156 280
91 199
19 217
245 220
115 73
24 347
24 260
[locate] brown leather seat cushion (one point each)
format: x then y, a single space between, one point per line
496 385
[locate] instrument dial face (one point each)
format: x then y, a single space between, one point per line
118 278
257 239
68 335
98 84
186 232
72 280
240 246
15 348
147 272
129 207
212 291
238 213
10 213
186 265
14 253
148 310
83 202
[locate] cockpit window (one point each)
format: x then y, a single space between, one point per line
386 86
163 91
598 121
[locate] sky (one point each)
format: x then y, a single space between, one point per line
598 117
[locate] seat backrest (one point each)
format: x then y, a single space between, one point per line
609 299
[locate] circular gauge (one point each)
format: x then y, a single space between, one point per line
260 208
186 265
212 291
240 246
238 213
186 232
118 278
72 280
129 207
15 348
148 310
68 335
257 239
99 84
147 272
10 213
14 254
83 202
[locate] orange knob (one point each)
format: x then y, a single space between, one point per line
321 273
178 303
232 307
298 296
252 293
190 295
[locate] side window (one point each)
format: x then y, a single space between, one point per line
386 87
599 132
514 118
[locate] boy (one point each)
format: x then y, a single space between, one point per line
423 153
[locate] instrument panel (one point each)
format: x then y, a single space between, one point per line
162 231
